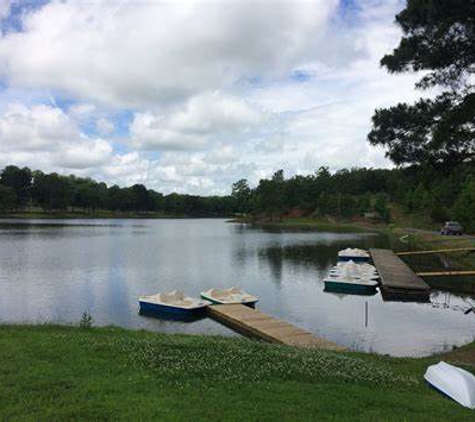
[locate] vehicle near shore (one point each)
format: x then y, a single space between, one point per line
452 228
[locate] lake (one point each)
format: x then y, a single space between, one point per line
54 270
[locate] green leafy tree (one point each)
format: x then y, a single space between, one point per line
381 207
420 198
438 38
7 198
141 198
464 208
20 181
270 194
241 192
364 203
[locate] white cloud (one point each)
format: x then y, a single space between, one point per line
208 86
82 111
45 136
222 154
37 128
5 7
85 154
204 118
140 54
104 126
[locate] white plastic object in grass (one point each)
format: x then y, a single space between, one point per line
454 382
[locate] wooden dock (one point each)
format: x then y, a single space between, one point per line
398 281
435 251
254 323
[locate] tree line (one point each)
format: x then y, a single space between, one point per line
22 189
343 194
361 191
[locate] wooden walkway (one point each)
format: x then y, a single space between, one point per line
435 251
398 281
254 323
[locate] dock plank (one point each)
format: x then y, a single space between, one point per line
396 277
258 324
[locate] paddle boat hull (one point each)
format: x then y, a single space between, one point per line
155 308
251 303
342 293
174 305
337 286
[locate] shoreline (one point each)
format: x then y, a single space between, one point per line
100 215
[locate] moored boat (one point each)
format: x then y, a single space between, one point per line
350 269
454 382
228 296
353 254
350 285
174 302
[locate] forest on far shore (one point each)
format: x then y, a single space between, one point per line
344 194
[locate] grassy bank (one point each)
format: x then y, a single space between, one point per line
431 240
52 372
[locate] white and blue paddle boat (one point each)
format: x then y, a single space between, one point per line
174 304
229 296
353 254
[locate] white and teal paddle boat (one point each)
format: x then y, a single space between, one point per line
174 303
229 296
350 277
350 285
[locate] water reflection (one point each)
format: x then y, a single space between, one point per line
55 273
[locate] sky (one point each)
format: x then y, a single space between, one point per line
191 96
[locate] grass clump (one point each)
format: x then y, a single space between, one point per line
86 321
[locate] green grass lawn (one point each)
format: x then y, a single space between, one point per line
57 373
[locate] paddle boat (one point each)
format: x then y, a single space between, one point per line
174 303
345 284
228 296
355 255
454 382
351 269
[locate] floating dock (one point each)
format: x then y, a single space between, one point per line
254 323
398 281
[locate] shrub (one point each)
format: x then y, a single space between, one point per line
86 321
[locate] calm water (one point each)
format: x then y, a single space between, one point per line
53 271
